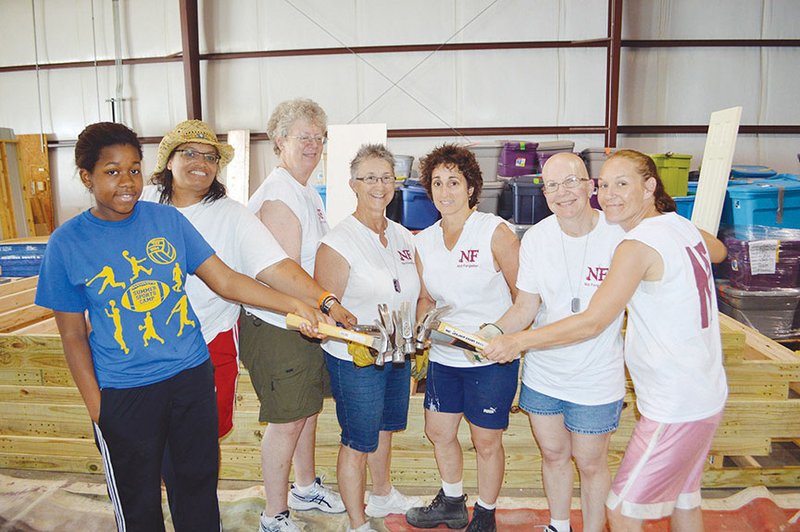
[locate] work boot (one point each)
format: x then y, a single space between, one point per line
482 520
443 510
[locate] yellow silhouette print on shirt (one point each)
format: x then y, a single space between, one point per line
107 275
149 330
114 315
177 277
182 308
136 266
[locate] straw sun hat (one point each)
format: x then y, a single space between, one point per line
191 131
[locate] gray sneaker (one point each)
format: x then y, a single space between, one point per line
443 510
280 523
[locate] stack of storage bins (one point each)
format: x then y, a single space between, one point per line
546 150
761 285
530 205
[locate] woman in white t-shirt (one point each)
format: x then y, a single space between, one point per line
662 272
572 394
369 260
468 261
188 163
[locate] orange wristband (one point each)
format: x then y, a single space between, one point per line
323 297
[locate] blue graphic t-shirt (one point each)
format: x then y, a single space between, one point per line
130 276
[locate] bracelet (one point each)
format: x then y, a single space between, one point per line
328 302
323 297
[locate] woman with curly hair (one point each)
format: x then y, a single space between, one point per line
468 261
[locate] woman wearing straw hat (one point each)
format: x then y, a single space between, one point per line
190 159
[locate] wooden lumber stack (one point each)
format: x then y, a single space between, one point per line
44 425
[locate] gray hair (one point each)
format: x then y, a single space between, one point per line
289 112
370 151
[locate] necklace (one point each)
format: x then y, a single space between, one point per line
575 303
381 253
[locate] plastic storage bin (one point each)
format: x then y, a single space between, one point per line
402 166
771 312
762 258
684 206
673 169
773 202
530 205
21 259
741 171
487 154
322 191
490 197
545 150
418 210
594 159
517 158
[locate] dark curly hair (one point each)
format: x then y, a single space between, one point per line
459 157
646 168
97 136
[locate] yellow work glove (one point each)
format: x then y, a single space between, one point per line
419 369
363 356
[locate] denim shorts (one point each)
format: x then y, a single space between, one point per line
580 419
483 394
369 400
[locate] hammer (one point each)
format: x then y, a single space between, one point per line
428 322
379 343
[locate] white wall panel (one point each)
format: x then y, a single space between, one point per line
711 19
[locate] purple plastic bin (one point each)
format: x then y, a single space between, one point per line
739 265
519 154
510 170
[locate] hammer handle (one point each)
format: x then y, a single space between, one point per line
469 338
294 321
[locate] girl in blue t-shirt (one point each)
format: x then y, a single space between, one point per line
144 371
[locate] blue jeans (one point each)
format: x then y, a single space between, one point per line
369 400
580 419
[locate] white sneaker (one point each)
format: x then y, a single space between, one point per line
394 503
280 523
319 497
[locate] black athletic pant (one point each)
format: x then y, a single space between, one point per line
136 425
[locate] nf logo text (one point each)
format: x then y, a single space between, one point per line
405 255
597 274
470 255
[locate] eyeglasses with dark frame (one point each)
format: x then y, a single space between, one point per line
373 179
571 181
192 155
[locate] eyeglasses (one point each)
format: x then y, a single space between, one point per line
194 155
572 181
373 179
305 139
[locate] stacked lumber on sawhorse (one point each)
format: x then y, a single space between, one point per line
44 425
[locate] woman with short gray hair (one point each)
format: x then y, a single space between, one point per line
368 260
289 374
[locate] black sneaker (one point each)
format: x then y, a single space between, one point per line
482 520
549 528
443 510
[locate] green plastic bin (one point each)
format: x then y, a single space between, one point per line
673 169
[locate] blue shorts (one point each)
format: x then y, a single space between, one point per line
483 394
369 400
580 419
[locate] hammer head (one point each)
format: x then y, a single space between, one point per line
384 346
429 321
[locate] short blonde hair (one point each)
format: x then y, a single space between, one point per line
289 112
370 151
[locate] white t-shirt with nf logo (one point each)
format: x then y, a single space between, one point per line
464 278
559 268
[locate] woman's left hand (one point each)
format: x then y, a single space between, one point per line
341 315
503 348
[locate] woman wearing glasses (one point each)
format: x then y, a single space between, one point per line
368 259
572 394
661 270
468 260
188 164
288 373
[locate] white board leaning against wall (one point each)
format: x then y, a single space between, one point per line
343 144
